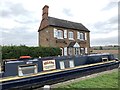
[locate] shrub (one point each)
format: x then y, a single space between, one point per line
10 52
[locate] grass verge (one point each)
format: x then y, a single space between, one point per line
103 81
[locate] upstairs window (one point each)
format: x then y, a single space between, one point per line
80 36
59 34
70 35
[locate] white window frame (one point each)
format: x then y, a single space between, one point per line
81 36
77 51
71 36
65 51
81 49
55 32
62 51
86 50
65 33
85 36
59 34
70 51
104 59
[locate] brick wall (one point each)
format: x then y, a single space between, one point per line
46 38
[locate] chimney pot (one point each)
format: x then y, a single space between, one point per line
46 6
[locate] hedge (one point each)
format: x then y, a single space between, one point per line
13 52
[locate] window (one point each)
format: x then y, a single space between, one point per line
104 59
62 51
65 51
70 51
80 36
65 33
55 32
60 34
82 50
27 69
85 36
86 50
70 35
66 64
76 51
62 65
71 63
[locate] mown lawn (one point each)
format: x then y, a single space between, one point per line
103 81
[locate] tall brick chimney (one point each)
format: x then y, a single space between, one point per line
45 12
44 21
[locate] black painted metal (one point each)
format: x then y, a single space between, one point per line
11 67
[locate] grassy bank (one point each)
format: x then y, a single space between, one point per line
103 81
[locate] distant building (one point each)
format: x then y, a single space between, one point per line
73 38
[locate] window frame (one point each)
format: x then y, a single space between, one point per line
72 64
71 35
105 59
62 67
62 49
81 36
82 50
77 51
59 34
70 51
27 67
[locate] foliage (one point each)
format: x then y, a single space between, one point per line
101 48
105 47
11 52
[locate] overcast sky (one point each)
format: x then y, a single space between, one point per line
20 19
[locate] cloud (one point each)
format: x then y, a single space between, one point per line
9 10
106 26
18 25
105 41
19 35
67 12
105 33
110 5
27 21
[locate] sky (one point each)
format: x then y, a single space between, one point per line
20 19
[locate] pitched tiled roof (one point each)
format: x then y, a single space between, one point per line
66 24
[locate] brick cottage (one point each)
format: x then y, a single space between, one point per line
73 38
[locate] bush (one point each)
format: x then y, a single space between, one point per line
10 52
